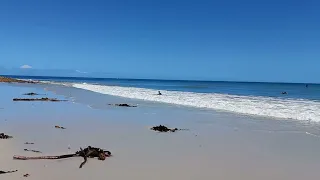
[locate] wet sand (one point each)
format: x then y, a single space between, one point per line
218 145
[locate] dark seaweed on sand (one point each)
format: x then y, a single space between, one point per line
122 105
162 128
4 136
31 94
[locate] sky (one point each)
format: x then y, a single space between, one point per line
247 40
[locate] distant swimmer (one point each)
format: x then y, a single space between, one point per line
307 85
159 93
284 92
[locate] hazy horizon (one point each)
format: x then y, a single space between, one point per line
87 76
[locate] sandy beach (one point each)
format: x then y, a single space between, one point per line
217 146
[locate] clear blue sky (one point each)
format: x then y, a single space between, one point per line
267 40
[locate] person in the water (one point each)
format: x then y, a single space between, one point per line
159 93
307 85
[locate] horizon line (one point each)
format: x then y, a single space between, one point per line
154 79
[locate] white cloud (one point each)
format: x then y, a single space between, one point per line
78 71
25 67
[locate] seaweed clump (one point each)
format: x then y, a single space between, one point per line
31 94
4 136
162 128
59 127
122 105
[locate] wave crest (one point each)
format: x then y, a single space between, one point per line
252 105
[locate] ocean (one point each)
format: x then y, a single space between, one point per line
250 98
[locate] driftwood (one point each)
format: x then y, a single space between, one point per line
38 99
4 136
32 150
5 172
90 152
122 105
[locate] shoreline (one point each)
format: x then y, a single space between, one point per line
218 145
101 101
274 107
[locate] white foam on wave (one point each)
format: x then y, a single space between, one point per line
253 105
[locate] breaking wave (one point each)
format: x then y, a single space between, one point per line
298 109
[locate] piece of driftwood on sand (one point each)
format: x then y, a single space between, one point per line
32 150
90 152
5 172
38 99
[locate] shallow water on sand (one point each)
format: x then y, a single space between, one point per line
300 102
168 113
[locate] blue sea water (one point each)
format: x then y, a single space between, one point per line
252 98
294 90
